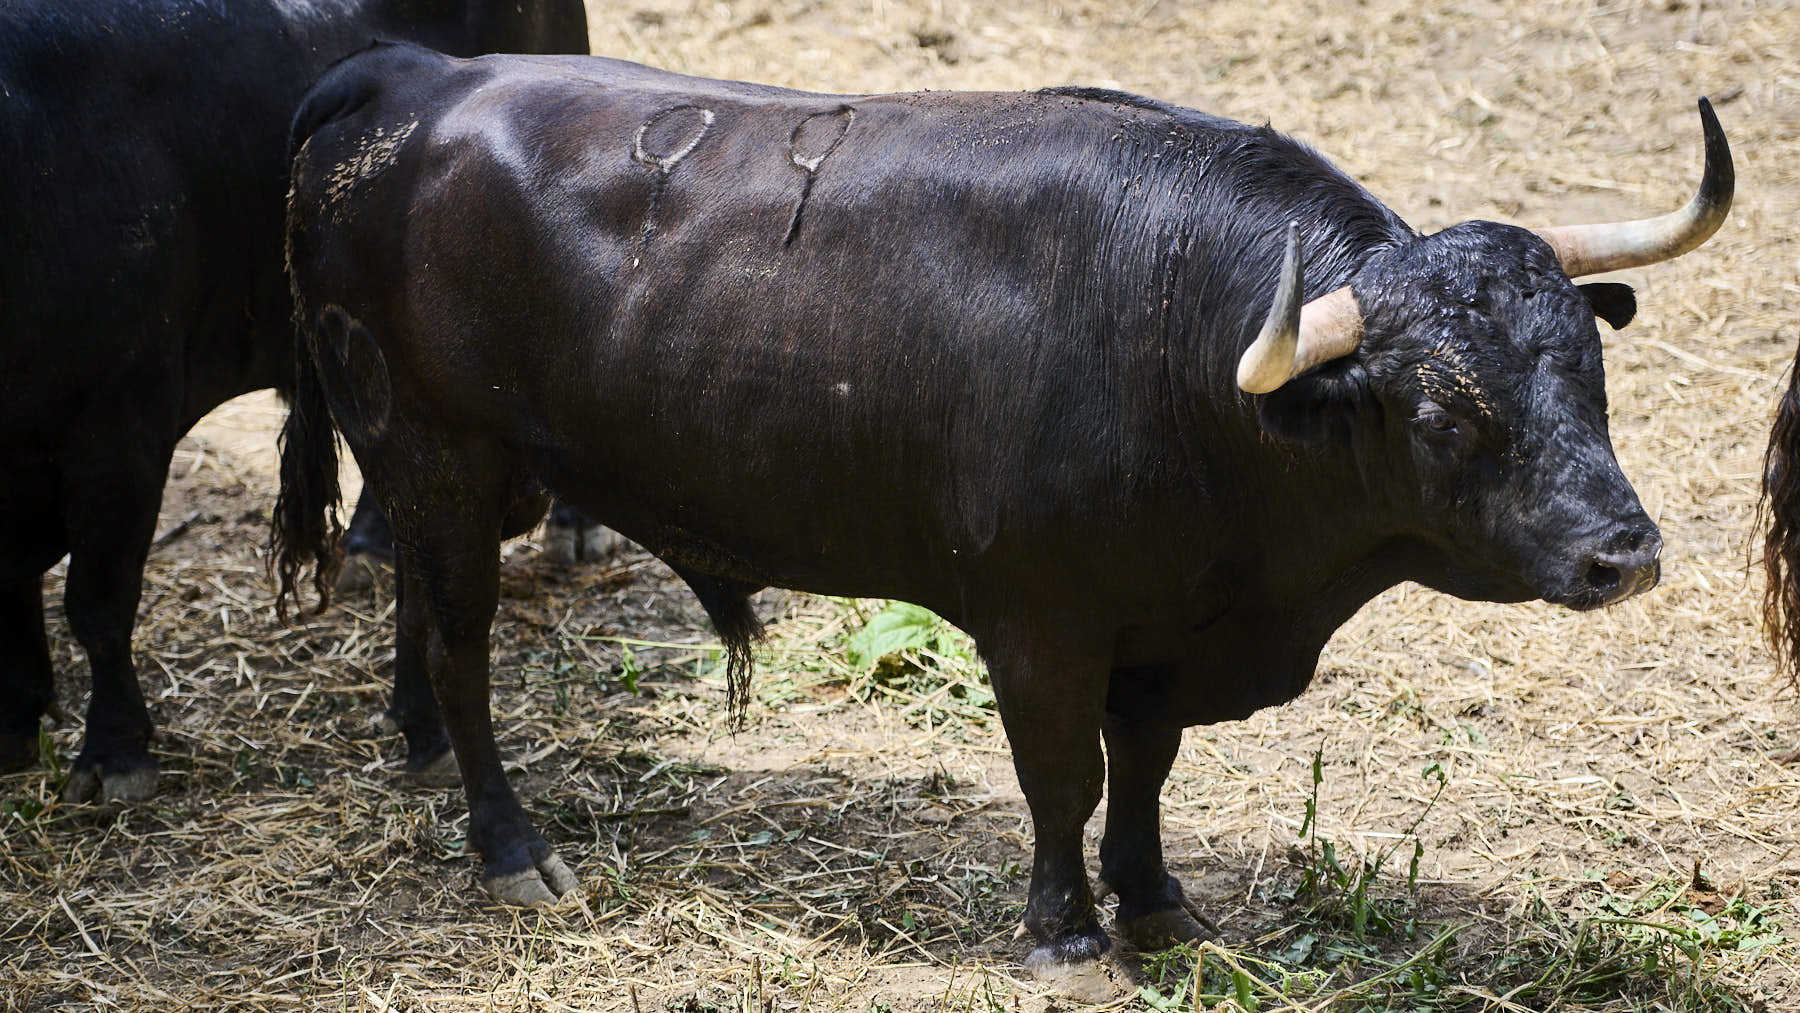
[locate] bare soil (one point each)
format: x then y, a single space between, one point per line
843 854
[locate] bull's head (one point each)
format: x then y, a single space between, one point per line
1485 361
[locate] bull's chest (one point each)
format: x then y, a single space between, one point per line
1236 658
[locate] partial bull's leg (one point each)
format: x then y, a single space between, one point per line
27 682
413 709
452 563
111 519
368 546
1152 911
1051 696
571 537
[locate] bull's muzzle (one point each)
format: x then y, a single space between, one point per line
1627 563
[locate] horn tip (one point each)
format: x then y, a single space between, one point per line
1720 176
1709 121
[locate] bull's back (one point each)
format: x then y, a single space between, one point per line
816 326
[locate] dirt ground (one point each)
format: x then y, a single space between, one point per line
862 850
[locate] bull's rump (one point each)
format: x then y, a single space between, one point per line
601 265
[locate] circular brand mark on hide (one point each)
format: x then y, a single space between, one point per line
671 135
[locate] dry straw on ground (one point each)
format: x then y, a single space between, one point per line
859 846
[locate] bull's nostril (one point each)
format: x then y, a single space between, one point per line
1602 577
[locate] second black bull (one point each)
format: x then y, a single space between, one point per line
1046 363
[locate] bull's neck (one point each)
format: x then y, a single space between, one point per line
1306 519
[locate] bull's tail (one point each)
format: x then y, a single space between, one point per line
306 527
1780 504
727 604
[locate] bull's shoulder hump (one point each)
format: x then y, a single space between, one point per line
1110 97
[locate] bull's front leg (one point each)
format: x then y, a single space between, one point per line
27 682
115 488
1051 699
1153 913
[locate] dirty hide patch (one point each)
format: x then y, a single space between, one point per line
374 152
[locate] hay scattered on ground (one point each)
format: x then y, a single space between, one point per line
854 848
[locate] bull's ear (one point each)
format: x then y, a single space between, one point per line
1614 303
1315 406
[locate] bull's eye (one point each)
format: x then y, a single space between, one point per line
1439 424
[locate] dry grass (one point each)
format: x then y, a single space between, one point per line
855 848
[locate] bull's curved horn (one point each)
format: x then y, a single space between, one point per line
1295 338
1614 246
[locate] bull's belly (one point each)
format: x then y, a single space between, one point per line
763 530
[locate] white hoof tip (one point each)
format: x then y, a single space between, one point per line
1082 981
536 887
382 725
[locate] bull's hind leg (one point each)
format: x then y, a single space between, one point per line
413 708
1153 913
1051 694
450 559
113 498
27 682
368 548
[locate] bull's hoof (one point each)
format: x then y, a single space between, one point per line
1173 917
537 885
87 783
568 545
440 771
382 725
360 572
1160 930
1082 980
18 751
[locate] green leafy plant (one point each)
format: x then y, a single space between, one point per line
907 654
895 631
1343 895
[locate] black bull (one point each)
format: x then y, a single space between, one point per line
974 351
143 162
